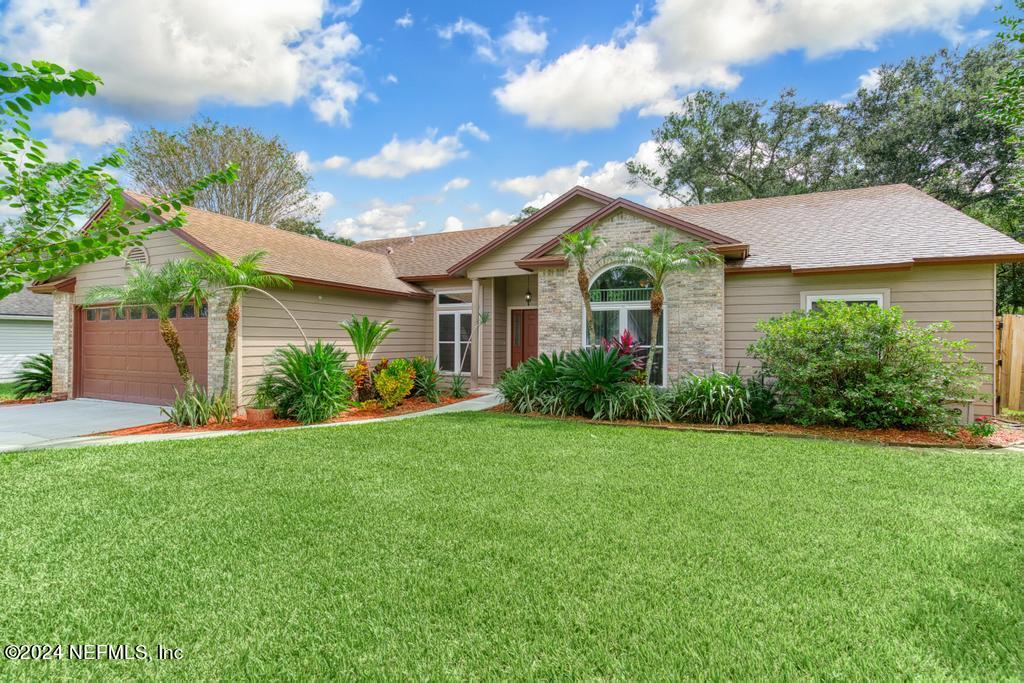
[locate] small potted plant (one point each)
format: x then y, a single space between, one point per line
261 408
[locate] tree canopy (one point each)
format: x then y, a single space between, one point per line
271 184
311 229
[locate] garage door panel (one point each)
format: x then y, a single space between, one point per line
127 360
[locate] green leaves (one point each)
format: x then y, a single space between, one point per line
56 198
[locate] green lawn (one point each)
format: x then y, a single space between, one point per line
6 390
487 546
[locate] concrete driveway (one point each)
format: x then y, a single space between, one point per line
34 424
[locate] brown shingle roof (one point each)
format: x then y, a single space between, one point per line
293 255
870 227
426 256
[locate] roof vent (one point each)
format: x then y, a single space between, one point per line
389 251
137 255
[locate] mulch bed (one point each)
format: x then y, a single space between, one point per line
411 405
889 437
23 401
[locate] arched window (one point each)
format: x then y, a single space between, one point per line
621 300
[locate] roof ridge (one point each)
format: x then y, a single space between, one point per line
453 233
754 200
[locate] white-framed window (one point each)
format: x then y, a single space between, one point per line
878 297
454 327
620 298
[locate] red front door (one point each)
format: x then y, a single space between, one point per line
524 335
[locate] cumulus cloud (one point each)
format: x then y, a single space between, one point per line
525 35
458 183
323 201
693 43
452 224
398 158
171 55
611 178
84 127
497 217
478 34
331 163
405 21
380 220
870 80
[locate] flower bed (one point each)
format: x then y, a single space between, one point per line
365 412
1002 438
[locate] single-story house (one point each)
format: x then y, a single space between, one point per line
890 245
26 329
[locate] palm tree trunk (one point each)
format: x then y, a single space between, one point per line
173 341
657 302
584 282
233 315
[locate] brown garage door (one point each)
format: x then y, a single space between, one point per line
122 357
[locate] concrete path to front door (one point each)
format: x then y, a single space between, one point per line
27 425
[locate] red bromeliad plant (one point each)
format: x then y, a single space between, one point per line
626 345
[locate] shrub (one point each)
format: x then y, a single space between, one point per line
586 377
764 404
983 427
394 382
458 387
309 384
526 387
35 376
362 381
427 379
718 398
198 407
639 402
626 345
264 395
865 367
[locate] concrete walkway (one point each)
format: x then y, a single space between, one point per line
30 425
488 400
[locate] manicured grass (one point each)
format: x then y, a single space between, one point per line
492 546
6 390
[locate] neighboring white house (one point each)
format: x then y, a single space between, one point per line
26 328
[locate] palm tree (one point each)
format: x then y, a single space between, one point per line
160 290
366 336
220 272
576 246
660 259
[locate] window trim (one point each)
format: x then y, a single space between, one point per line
879 294
457 311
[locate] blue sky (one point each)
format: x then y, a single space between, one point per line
504 104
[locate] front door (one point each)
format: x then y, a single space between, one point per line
524 334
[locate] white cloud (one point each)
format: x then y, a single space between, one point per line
525 36
331 163
380 220
611 178
870 80
497 217
391 78
171 55
452 224
404 21
458 183
399 158
85 127
479 35
474 130
693 43
323 201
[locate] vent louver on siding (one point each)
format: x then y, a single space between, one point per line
137 255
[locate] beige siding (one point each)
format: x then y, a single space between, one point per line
162 247
265 326
963 295
502 260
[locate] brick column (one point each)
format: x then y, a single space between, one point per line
63 342
216 335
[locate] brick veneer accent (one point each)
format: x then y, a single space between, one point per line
63 341
694 302
216 335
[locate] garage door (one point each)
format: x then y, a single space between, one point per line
122 357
